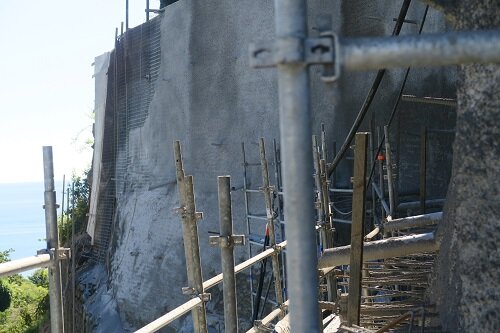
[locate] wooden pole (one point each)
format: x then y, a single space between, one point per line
357 232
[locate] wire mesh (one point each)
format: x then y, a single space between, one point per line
132 74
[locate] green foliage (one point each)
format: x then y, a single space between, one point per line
23 312
5 255
78 208
5 297
40 278
23 302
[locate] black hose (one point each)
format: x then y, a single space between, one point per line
395 108
263 265
369 98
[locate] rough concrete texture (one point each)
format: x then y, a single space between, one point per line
208 97
100 305
469 263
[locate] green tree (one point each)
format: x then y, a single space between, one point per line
5 255
5 297
40 278
77 213
5 293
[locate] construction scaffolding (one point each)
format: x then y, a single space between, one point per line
293 212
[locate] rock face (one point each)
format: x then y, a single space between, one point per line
469 262
207 96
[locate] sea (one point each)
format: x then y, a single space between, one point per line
22 218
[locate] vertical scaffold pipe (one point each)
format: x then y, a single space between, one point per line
190 237
296 142
55 289
388 163
266 188
227 255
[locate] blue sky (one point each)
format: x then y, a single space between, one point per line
46 86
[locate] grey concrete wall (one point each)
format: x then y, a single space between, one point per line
208 97
468 269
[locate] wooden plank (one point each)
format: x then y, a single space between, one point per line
357 228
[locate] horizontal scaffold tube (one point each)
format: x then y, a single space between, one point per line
438 49
412 222
25 264
382 249
188 306
171 316
268 319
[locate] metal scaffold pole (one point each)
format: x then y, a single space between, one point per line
55 289
388 163
227 241
189 218
296 143
267 190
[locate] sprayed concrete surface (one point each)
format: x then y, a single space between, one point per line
209 98
466 285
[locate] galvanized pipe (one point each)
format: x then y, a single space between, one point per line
191 231
55 288
430 100
439 49
171 316
295 135
383 249
388 164
188 306
190 237
247 218
24 264
432 203
270 220
227 255
413 222
246 264
267 319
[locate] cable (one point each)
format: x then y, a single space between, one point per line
369 98
263 265
395 108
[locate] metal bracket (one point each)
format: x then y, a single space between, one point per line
292 50
261 327
61 253
188 291
180 211
271 189
227 241
309 51
277 249
205 297
183 213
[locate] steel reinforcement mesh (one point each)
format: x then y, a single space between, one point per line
132 74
